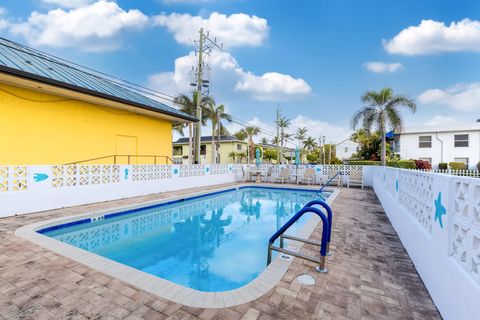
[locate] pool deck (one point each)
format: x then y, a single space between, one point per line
370 276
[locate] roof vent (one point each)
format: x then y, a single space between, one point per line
28 62
50 68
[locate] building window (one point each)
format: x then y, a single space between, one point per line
346 150
177 151
461 140
425 141
239 147
462 160
429 160
203 150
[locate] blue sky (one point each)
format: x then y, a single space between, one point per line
314 58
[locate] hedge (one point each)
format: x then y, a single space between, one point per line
404 164
443 166
457 166
364 163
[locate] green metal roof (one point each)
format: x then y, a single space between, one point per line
19 60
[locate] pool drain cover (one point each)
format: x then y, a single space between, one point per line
306 279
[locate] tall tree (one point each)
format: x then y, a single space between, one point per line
283 123
189 106
216 114
264 140
240 135
381 111
301 135
310 143
251 132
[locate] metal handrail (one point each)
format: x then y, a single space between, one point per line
326 184
288 224
329 218
129 156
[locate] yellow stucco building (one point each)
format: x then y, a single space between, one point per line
228 144
53 112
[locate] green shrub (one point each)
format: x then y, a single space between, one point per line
457 166
404 164
478 166
443 166
364 163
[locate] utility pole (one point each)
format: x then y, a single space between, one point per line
198 127
200 82
278 135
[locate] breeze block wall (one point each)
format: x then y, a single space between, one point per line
437 218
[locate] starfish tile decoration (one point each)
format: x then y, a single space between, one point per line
439 210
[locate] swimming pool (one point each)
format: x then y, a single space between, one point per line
212 243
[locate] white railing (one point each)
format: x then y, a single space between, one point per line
437 218
461 173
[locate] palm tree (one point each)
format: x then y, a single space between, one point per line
310 143
380 111
216 114
301 135
240 135
189 106
283 123
264 140
251 131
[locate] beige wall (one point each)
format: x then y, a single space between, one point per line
225 149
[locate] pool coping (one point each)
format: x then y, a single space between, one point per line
163 288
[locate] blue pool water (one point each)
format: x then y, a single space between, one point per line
213 243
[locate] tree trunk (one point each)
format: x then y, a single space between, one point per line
213 143
384 148
251 150
190 143
218 141
281 146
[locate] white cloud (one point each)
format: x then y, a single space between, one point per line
273 86
228 76
68 3
434 37
462 97
95 27
234 30
3 22
316 128
382 67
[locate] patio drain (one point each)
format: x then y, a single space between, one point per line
306 279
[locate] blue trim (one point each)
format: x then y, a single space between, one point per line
121 213
64 225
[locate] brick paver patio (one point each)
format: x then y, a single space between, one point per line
370 277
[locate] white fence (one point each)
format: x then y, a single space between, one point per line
25 189
437 218
461 173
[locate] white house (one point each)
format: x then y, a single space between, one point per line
346 148
440 144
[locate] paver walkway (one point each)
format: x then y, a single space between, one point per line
370 277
